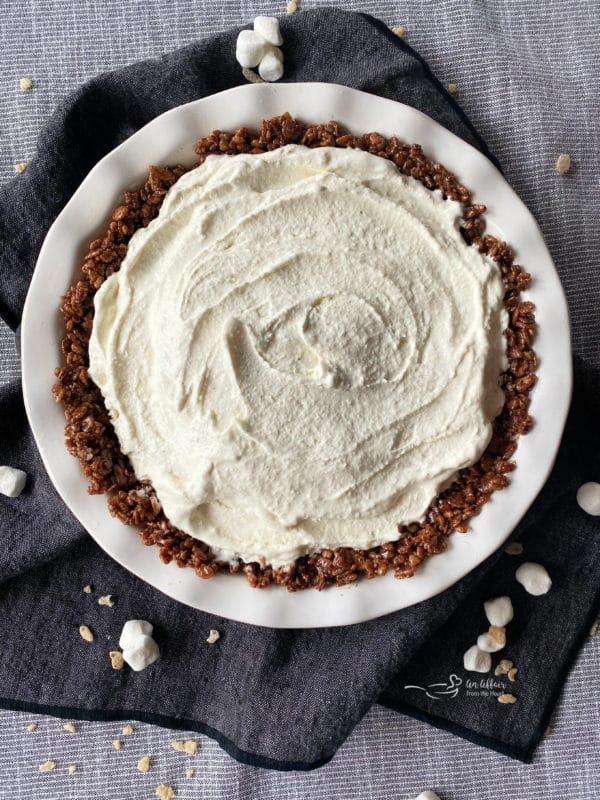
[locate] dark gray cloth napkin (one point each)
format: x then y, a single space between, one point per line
280 699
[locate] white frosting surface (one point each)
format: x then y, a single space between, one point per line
300 351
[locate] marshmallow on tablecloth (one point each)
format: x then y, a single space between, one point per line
250 48
476 660
12 481
132 630
139 648
268 28
499 611
588 497
534 578
258 48
271 65
143 653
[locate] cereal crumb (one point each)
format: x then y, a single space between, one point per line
399 30
116 659
72 768
70 727
251 76
188 746
594 628
106 600
497 634
117 744
144 763
563 164
507 699
26 84
164 792
189 773
128 730
31 727
213 636
512 674
549 729
47 766
292 7
503 667
86 633
21 166
513 549
87 589
453 88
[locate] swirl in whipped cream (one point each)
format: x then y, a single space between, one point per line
300 351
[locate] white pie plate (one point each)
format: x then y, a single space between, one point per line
170 139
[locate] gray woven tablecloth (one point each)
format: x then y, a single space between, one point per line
527 75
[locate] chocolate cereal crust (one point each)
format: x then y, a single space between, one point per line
90 436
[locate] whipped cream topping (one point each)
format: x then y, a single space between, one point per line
300 351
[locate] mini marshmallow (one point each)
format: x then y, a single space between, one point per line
533 578
588 497
271 65
268 28
476 660
142 653
499 611
428 795
12 481
250 48
132 630
493 640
